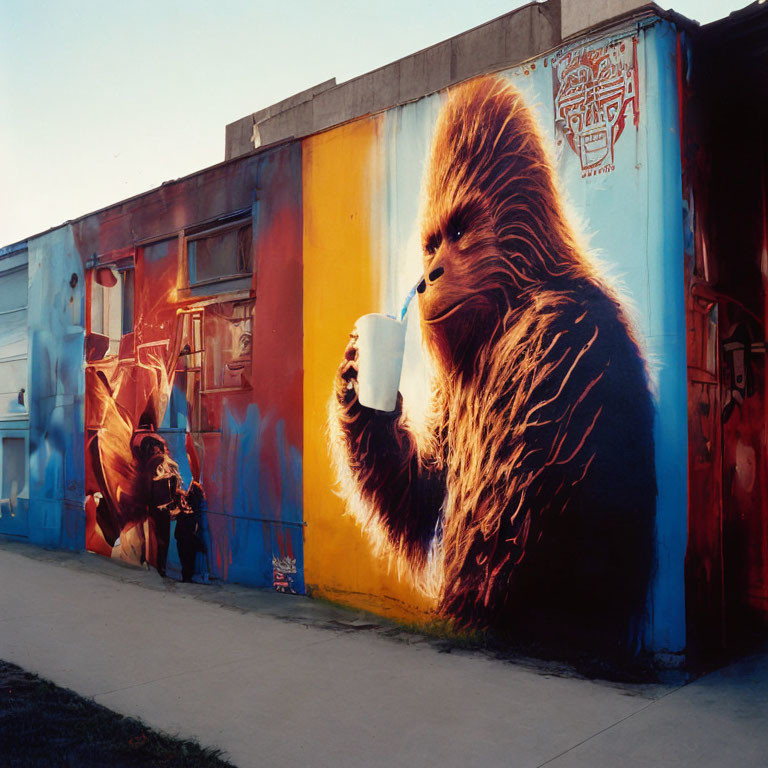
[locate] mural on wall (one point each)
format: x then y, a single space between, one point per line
596 92
136 486
525 499
193 462
510 481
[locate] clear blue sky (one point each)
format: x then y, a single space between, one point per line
101 100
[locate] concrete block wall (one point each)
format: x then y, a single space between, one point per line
241 134
580 15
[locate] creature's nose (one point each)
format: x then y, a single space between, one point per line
435 274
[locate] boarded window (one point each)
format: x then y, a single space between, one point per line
13 289
14 468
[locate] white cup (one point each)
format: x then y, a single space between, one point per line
380 346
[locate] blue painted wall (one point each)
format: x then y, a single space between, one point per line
56 389
666 335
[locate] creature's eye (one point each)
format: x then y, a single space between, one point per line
456 228
432 244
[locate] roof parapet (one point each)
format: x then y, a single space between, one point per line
498 44
504 42
578 16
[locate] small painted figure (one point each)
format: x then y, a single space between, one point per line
160 492
189 533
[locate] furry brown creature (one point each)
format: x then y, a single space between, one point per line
533 495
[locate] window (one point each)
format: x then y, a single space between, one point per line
189 368
13 337
14 469
112 305
192 340
221 254
13 289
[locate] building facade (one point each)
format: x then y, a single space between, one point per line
580 432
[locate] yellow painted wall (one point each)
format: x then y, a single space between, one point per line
340 181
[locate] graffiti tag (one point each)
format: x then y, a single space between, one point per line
595 91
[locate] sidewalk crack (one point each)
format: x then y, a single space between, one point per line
608 727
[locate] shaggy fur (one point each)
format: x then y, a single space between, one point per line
533 496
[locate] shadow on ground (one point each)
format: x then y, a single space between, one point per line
44 725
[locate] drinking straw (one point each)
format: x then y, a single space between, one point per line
408 299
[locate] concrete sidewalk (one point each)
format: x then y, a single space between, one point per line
282 681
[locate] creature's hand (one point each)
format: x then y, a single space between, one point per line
346 378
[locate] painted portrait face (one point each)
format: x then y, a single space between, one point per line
595 89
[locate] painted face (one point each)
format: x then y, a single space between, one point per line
456 296
244 346
594 90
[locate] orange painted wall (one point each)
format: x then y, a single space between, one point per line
341 180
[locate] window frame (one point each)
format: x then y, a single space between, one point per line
120 267
229 283
11 262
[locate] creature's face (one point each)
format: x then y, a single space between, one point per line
458 296
492 232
